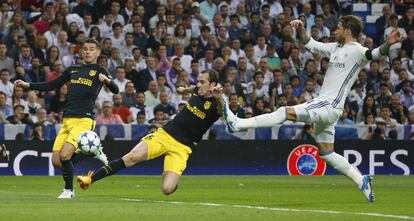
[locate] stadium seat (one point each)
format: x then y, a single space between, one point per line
370 25
376 8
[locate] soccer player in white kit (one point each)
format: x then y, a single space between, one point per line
346 58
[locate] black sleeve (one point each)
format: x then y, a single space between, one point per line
112 86
47 86
368 54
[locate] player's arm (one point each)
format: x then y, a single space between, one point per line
45 86
312 45
186 90
217 94
109 83
382 50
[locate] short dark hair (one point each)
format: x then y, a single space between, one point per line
212 75
353 23
92 41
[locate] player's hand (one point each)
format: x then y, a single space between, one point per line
104 79
216 91
393 37
296 24
181 90
22 84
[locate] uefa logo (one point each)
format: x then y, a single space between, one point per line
304 161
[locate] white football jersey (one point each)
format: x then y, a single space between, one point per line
345 62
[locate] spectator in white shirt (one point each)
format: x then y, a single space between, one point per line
51 35
120 79
5 85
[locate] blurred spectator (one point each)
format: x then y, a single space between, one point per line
5 85
43 118
32 103
58 101
383 98
19 117
129 96
152 94
52 34
139 59
411 115
107 116
344 120
383 22
147 75
17 99
5 61
368 107
398 111
37 73
5 109
393 135
356 97
120 109
395 48
139 106
307 133
127 46
36 133
141 118
115 60
159 118
309 90
385 117
120 79
406 94
257 89
164 105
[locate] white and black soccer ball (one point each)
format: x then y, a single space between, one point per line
88 142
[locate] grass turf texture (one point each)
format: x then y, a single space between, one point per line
34 198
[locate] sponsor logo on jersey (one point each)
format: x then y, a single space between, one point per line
200 114
92 73
82 81
207 105
304 161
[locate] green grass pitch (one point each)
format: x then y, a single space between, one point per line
215 198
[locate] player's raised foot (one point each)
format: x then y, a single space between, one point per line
366 188
85 181
100 155
231 119
3 152
67 194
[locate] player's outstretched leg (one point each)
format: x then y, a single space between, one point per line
137 154
342 165
235 124
107 170
3 152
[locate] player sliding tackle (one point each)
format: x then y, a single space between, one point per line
175 138
346 58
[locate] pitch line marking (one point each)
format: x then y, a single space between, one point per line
272 208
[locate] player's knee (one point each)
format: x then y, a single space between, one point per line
64 156
56 163
168 189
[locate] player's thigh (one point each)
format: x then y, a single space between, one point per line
176 160
137 154
325 134
156 143
61 137
77 126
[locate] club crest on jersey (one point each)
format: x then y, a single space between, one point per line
304 161
92 73
207 105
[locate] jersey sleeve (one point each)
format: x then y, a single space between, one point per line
57 82
324 49
112 86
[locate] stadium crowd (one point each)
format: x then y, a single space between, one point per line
153 47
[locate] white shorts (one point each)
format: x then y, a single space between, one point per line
324 117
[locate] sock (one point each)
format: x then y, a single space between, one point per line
78 157
342 165
264 120
112 168
67 173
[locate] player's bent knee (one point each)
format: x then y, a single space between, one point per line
169 189
56 163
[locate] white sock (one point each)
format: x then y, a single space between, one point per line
264 120
342 165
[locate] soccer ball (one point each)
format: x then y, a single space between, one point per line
89 142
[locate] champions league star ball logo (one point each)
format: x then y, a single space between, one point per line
304 161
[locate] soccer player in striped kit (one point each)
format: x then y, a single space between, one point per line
346 58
